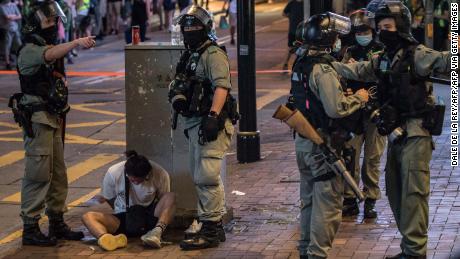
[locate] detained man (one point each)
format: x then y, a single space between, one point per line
150 209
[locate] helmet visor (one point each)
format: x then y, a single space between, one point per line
338 23
50 10
361 20
394 6
196 11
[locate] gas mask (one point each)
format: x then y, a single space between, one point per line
194 39
390 39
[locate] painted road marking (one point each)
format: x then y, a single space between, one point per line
11 158
91 124
74 139
9 125
76 171
271 96
7 132
84 108
17 234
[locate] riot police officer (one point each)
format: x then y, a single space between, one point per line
317 93
200 94
40 109
365 47
408 115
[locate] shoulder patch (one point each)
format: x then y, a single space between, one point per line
213 49
326 68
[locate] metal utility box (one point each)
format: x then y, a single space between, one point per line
150 67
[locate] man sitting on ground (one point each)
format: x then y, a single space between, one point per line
151 204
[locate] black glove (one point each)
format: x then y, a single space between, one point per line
209 128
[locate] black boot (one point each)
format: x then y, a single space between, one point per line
369 209
207 237
32 236
350 207
59 229
220 233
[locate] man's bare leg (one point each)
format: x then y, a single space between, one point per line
102 226
99 223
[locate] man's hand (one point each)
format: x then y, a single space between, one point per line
210 128
363 94
348 92
86 42
351 60
100 198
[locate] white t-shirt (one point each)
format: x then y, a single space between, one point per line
113 186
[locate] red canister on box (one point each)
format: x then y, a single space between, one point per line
135 35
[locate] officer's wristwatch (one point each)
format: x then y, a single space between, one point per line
213 114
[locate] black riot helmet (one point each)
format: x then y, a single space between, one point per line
196 26
361 21
321 30
42 20
381 9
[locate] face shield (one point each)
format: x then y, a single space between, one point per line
198 12
49 10
338 23
361 20
394 6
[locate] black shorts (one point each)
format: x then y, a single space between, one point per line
150 224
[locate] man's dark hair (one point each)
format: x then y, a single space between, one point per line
137 165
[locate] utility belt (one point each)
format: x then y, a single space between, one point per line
23 112
432 118
389 122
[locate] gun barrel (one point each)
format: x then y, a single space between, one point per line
342 170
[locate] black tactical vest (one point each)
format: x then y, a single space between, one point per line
199 90
47 82
310 106
402 87
304 99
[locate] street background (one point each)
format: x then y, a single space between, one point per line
266 208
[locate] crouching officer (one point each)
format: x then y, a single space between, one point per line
200 94
40 109
317 93
364 48
408 115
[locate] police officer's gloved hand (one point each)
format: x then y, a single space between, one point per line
210 127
